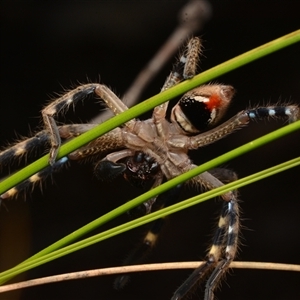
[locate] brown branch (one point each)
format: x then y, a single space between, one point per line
143 268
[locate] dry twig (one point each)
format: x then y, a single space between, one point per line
143 268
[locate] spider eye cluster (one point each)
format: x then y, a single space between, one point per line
201 108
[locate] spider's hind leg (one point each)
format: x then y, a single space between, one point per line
141 252
224 244
220 256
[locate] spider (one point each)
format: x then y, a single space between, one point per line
156 150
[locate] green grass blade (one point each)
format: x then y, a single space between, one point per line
51 252
146 105
149 218
45 255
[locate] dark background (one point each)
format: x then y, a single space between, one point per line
48 46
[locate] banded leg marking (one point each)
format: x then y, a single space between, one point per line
221 253
290 111
139 254
23 148
63 103
33 180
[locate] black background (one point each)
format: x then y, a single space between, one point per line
48 46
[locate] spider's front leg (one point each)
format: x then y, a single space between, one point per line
71 98
53 134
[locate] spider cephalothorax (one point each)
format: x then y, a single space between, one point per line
156 150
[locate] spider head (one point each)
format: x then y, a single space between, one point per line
202 108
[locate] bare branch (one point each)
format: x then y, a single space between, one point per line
143 268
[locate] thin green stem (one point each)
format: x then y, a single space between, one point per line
152 102
149 218
43 256
52 251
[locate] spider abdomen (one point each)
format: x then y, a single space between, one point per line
201 108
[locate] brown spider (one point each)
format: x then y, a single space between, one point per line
157 149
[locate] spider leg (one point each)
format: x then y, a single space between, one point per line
104 144
141 252
52 134
290 112
110 142
72 97
224 244
58 106
40 141
23 148
184 68
33 180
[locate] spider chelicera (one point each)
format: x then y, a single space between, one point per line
156 150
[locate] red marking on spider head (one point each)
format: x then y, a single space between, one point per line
214 101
